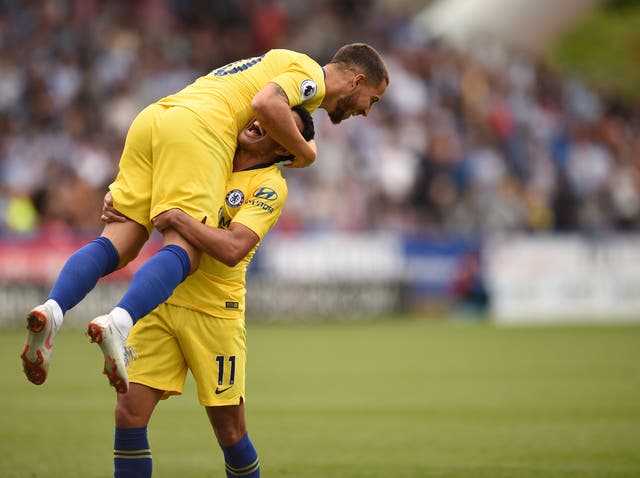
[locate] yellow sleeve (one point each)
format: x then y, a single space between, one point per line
303 83
263 207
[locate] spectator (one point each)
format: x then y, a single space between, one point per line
465 144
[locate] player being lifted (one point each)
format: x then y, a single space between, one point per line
178 154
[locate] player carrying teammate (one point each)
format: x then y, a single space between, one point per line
178 154
201 327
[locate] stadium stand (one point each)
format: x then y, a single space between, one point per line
461 144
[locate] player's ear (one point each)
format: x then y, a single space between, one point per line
358 78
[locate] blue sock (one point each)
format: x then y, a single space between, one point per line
155 281
82 270
131 453
241 459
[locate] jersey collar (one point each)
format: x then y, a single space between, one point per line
259 166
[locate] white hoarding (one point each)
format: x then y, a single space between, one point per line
563 278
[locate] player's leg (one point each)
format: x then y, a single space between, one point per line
131 451
216 351
156 279
110 331
228 422
157 370
151 285
131 194
230 428
118 244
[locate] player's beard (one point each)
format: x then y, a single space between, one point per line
344 104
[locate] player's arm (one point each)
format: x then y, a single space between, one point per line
271 108
229 246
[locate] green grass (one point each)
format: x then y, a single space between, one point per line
357 400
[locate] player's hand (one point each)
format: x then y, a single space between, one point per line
167 219
301 162
109 214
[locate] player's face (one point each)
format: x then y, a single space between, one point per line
357 103
255 139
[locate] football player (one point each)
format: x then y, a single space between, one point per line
201 327
178 154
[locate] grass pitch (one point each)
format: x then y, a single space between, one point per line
398 398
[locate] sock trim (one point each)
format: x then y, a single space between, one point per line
132 454
245 470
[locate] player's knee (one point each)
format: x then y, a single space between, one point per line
127 416
228 434
127 237
228 423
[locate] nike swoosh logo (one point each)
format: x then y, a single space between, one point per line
47 342
219 391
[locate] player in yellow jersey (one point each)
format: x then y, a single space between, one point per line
178 154
201 326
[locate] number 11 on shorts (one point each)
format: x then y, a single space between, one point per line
221 366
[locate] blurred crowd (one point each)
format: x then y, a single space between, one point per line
462 144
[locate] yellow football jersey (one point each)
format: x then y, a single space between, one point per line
229 90
254 199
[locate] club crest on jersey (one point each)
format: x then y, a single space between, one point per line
235 198
308 89
267 194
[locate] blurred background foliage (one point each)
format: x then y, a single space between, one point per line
603 47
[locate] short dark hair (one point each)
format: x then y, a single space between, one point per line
308 130
365 59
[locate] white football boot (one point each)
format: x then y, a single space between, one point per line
102 331
39 345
